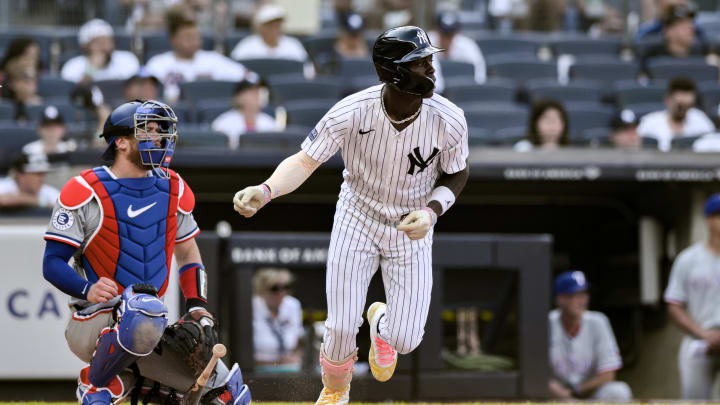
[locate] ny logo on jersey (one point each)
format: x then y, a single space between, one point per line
419 161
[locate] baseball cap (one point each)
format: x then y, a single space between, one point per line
448 21
570 282
267 13
624 119
352 22
678 13
93 29
712 205
51 115
35 163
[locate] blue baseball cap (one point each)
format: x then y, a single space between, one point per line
712 205
571 282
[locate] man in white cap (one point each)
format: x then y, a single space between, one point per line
25 187
100 60
269 42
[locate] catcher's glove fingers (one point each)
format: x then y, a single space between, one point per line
249 200
416 224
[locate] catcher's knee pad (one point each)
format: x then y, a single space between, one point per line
142 318
336 375
88 394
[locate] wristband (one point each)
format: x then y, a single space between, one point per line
267 192
433 215
444 196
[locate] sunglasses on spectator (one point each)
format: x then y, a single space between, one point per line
279 287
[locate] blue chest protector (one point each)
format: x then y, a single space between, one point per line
141 214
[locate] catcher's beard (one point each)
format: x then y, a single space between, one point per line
134 156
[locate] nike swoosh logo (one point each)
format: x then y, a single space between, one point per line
366 132
133 214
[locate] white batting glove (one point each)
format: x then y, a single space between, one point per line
417 223
250 199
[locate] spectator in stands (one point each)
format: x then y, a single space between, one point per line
186 62
100 59
21 88
679 39
24 50
245 115
680 117
665 9
51 132
459 47
270 42
624 133
351 43
547 127
25 187
691 298
142 86
277 322
583 352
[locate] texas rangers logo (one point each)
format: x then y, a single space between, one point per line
419 161
63 219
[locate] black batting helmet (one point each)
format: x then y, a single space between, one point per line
396 47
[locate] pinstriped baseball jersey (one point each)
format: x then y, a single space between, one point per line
390 172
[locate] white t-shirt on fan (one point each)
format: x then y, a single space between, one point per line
122 65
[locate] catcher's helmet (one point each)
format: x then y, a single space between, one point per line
396 47
131 119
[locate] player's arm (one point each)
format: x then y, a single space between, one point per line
679 314
287 177
593 383
58 272
193 278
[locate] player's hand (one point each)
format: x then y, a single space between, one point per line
416 224
102 291
559 391
249 200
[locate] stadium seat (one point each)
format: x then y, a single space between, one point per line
683 142
607 72
198 137
271 67
495 119
319 44
293 90
290 138
709 97
184 112
208 111
232 39
633 93
69 41
452 70
640 109
509 136
7 111
522 71
600 137
69 112
306 114
586 46
479 137
582 116
667 70
349 68
499 45
112 90
359 83
494 90
42 36
640 47
583 91
202 90
49 86
14 137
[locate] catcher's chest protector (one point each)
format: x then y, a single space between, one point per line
135 240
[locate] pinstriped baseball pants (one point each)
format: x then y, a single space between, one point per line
358 245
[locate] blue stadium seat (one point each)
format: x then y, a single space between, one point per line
290 89
640 109
292 137
583 91
232 39
320 43
306 113
493 119
272 67
349 68
479 137
202 90
452 70
49 86
510 135
522 71
7 111
112 90
633 93
184 112
14 137
582 116
494 90
493 45
586 46
201 137
69 112
709 97
665 69
607 72
683 142
208 111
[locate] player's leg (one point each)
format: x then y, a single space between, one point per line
399 326
614 391
696 371
352 260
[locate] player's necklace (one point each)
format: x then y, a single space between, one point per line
397 122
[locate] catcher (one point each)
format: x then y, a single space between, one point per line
121 225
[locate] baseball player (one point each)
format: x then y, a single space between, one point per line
583 352
405 152
692 300
121 225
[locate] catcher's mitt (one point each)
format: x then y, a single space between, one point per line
192 338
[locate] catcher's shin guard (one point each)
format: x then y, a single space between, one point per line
231 391
142 318
88 394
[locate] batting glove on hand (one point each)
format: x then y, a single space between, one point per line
250 199
417 223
